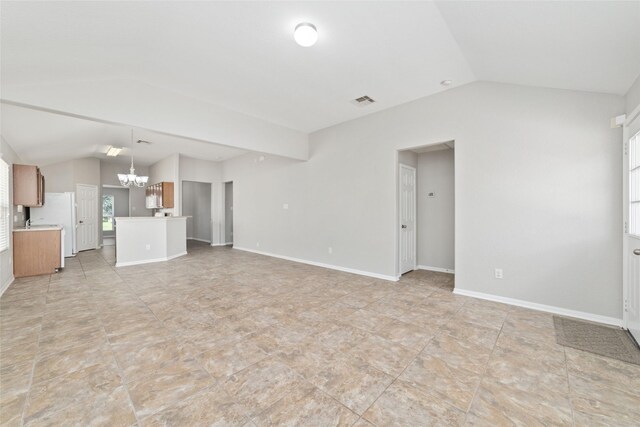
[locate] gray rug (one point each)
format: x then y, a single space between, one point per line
599 339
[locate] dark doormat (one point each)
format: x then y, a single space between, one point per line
598 339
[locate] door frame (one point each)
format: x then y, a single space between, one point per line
415 216
396 229
633 118
97 207
212 205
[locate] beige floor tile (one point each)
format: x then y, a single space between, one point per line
261 385
368 320
497 405
389 357
15 379
306 407
597 401
231 358
459 353
465 331
405 405
406 334
138 363
213 407
82 356
455 386
11 409
74 391
608 372
167 386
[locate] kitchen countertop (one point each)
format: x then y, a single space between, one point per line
39 228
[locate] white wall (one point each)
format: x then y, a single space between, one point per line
633 96
196 206
167 170
6 258
408 158
209 172
120 204
538 193
436 215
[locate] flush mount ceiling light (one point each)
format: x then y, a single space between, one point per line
113 151
446 82
305 34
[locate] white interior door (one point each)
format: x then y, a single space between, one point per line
87 216
631 238
407 215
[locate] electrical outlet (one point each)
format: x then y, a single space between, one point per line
330 250
148 247
498 273
285 206
257 244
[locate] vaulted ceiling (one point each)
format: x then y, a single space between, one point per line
241 57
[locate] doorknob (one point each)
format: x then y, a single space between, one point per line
404 226
636 251
81 222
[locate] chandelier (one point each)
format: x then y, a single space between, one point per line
131 179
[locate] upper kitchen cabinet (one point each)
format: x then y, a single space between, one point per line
28 186
159 195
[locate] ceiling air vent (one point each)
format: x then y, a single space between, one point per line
363 101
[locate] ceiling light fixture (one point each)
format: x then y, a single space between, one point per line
305 34
113 151
131 179
446 82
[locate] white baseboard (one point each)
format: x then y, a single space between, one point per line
222 244
6 285
149 261
320 264
542 307
438 269
199 240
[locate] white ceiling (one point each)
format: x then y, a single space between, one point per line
241 56
57 138
579 45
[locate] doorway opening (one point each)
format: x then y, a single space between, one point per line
228 213
115 203
426 209
196 206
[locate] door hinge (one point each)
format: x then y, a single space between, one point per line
626 148
626 305
626 227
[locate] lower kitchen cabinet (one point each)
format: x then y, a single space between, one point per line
36 252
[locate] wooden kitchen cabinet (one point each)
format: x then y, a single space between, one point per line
36 252
159 195
28 186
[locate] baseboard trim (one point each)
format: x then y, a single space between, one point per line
438 269
542 307
222 244
199 240
149 261
321 264
6 285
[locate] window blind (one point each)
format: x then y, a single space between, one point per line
5 211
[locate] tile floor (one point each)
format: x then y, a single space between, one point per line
222 337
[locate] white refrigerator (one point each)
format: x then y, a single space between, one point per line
59 209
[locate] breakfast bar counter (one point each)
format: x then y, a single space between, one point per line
142 240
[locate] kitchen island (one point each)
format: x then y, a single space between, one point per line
142 240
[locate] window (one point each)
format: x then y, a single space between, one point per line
634 185
107 212
5 208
